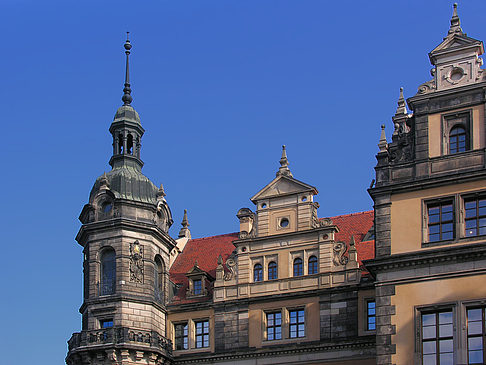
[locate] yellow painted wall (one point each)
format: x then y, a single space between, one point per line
408 296
435 138
257 325
407 215
191 317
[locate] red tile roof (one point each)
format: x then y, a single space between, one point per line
357 225
207 250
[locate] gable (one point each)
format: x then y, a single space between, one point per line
456 41
283 185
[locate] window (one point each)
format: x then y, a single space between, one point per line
274 326
106 323
284 222
272 271
159 279
437 338
457 139
197 285
476 336
202 334
475 218
370 315
312 265
181 336
108 272
258 273
298 271
440 218
297 323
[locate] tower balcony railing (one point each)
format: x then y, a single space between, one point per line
119 335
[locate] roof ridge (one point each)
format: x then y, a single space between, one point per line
215 236
349 214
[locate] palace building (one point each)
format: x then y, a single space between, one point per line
402 283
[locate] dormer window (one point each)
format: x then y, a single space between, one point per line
197 286
198 281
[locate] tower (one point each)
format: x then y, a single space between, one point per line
124 235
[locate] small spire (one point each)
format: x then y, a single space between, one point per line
104 181
455 22
185 232
352 243
127 91
382 143
161 191
284 164
402 106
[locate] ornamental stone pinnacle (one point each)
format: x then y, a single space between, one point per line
185 232
284 164
382 144
402 106
455 22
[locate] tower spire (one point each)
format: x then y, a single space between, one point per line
455 22
284 164
127 91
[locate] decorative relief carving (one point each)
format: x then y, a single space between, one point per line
136 262
427 87
339 250
231 265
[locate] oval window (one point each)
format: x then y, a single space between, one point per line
284 222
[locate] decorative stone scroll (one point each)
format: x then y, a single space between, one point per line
231 265
339 250
136 262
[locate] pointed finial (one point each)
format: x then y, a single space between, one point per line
220 260
455 22
195 263
127 91
352 243
284 164
161 191
104 181
402 106
185 232
382 143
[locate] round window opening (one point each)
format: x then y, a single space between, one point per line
264 205
304 198
284 222
457 74
106 207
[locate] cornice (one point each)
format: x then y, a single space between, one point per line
423 258
134 225
273 352
429 182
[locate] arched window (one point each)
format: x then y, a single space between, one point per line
258 273
312 265
108 272
298 269
159 279
120 144
457 139
130 144
272 271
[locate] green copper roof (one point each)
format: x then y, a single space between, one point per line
128 182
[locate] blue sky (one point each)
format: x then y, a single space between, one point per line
220 86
